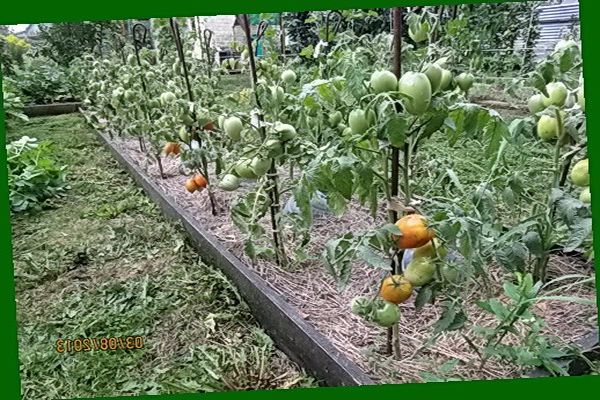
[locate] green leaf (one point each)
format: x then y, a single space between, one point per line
581 230
538 82
547 71
336 203
434 124
373 259
513 257
512 291
343 180
533 242
308 51
395 130
569 299
423 297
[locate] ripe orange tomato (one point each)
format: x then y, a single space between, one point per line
209 127
200 181
190 185
395 289
414 232
171 148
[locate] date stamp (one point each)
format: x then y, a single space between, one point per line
101 344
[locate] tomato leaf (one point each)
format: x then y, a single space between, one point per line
423 297
373 259
395 130
513 257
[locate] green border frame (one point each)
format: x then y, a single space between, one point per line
33 11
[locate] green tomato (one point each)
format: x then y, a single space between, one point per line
446 79
184 135
557 92
465 81
288 76
417 86
434 73
273 147
277 94
260 166
580 174
388 315
420 271
419 32
536 104
229 182
129 95
285 131
586 196
244 170
131 60
428 251
187 119
233 128
371 117
336 118
357 120
564 44
167 97
581 98
383 81
347 131
450 273
547 128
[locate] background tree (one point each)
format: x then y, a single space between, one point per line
66 41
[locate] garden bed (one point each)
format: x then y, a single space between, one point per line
38 110
314 293
296 337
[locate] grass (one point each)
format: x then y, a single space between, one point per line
102 262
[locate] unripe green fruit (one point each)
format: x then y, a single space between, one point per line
585 196
383 81
446 79
557 92
357 120
260 166
233 128
536 104
465 81
229 182
417 86
288 76
420 271
547 128
434 73
580 174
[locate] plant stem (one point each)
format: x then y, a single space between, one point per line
272 175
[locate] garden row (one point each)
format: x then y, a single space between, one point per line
335 181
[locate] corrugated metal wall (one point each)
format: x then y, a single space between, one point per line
555 22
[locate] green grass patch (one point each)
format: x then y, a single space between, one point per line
103 262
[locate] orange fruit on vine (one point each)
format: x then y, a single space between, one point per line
171 148
190 185
200 181
415 232
395 289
